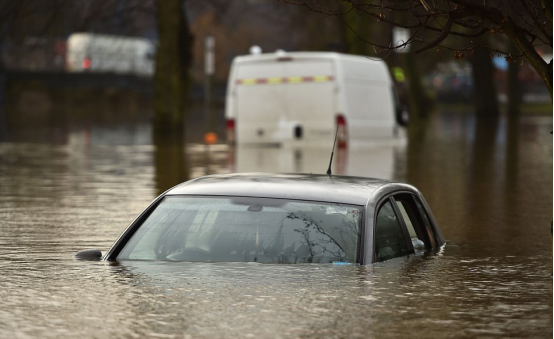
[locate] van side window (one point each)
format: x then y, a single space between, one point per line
389 238
418 226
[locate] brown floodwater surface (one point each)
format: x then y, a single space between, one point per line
490 188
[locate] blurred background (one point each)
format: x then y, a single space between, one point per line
55 85
97 73
55 88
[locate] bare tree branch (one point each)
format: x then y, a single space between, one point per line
525 22
536 20
440 38
547 7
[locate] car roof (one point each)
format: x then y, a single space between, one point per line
314 187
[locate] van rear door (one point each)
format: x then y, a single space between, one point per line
282 101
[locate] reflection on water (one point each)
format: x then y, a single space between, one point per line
378 161
490 191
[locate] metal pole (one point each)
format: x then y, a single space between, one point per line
209 136
209 70
3 88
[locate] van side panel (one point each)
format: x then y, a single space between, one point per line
368 100
369 110
358 68
230 104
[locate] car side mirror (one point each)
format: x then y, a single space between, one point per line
402 115
88 255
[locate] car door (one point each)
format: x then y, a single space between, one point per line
416 221
402 227
390 235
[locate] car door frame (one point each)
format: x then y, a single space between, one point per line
422 207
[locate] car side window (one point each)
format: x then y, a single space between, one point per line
416 222
389 237
426 223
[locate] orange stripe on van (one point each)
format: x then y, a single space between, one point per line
282 80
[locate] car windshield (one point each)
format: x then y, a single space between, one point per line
238 229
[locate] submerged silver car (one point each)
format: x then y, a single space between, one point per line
280 218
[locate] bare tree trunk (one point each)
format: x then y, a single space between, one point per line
3 90
486 104
514 89
355 29
519 39
172 65
171 84
419 101
171 167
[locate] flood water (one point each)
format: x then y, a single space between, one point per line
65 190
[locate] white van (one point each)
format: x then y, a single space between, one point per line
302 97
88 52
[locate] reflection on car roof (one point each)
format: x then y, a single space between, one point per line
314 187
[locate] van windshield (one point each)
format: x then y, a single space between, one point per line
238 229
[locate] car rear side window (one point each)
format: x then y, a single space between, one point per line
389 237
416 222
217 229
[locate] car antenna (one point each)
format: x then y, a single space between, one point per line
332 152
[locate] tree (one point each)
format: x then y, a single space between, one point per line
486 104
171 89
526 23
173 60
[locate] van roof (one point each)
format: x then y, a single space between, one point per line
348 66
299 55
313 187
